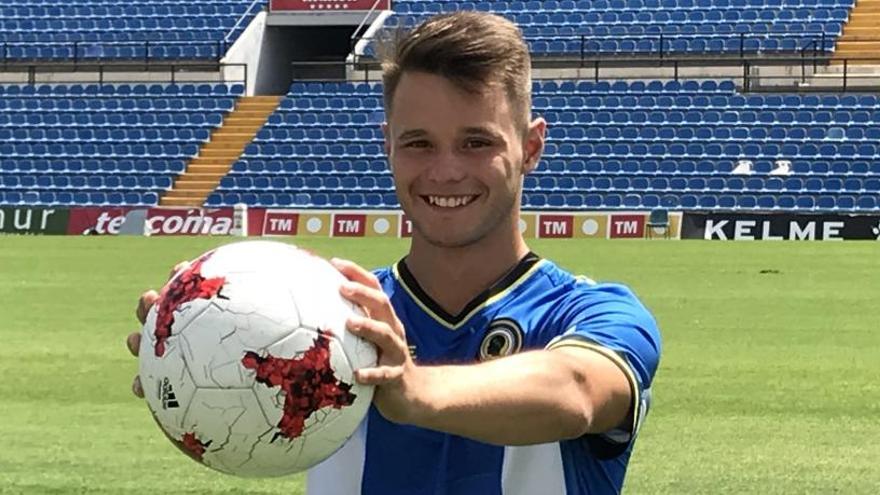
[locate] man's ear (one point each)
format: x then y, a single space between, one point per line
533 144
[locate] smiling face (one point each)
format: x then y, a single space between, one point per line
458 159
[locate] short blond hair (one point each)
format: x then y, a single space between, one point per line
472 49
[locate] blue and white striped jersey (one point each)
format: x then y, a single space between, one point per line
537 305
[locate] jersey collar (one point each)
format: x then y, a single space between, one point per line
519 274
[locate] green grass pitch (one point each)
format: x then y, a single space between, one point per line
768 383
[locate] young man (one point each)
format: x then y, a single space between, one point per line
499 372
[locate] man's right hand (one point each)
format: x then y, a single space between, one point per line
133 341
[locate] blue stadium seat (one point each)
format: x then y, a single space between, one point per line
766 202
746 202
632 201
786 202
726 202
613 200
688 201
707 201
825 203
867 202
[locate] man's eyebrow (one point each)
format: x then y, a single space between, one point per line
482 131
412 133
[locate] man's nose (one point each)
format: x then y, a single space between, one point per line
446 167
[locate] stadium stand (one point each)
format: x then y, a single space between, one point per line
611 145
626 27
140 29
104 145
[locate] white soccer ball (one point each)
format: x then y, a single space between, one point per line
246 363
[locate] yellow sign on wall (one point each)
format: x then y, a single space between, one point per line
383 225
317 223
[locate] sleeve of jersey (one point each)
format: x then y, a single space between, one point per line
612 322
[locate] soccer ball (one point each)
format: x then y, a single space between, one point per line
246 363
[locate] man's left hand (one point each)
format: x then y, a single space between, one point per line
395 376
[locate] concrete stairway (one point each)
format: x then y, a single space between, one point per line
215 158
861 35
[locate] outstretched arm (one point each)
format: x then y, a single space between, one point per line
528 398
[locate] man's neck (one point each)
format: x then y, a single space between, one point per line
452 277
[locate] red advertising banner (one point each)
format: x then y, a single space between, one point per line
280 223
405 226
86 221
256 219
555 226
327 5
627 226
349 225
160 221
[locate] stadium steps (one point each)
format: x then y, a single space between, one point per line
861 35
203 173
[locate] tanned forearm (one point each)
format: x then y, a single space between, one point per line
528 398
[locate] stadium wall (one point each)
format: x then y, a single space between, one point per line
248 49
725 226
323 223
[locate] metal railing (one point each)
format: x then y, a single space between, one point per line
747 75
740 45
13 52
154 73
357 34
244 16
817 47
751 74
665 45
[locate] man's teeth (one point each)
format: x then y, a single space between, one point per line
450 201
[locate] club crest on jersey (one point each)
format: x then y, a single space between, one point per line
503 338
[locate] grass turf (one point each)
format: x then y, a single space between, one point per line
768 382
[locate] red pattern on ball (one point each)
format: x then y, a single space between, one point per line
308 383
193 446
186 287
